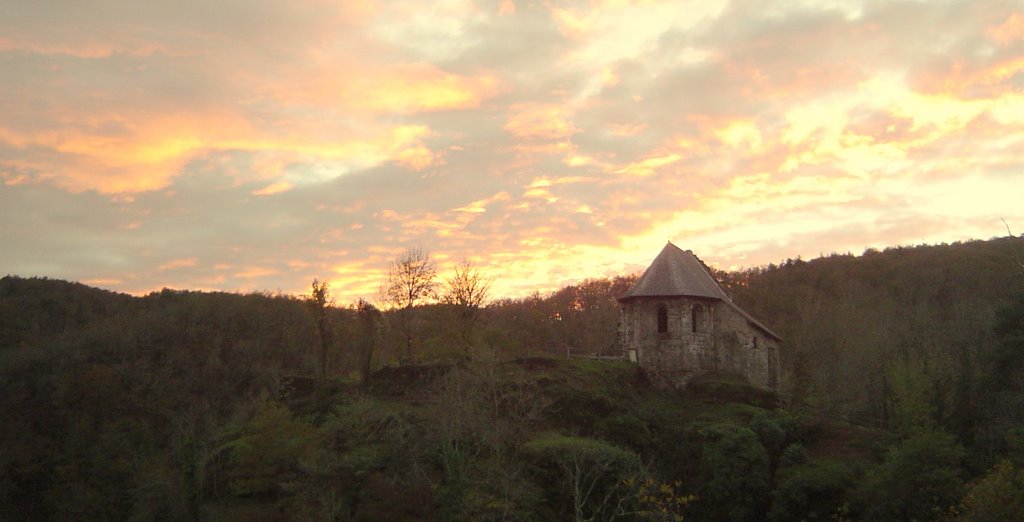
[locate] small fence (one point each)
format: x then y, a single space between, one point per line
594 356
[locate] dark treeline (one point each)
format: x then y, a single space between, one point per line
903 392
907 339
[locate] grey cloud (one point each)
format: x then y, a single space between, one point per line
50 232
245 60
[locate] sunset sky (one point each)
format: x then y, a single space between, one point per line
254 145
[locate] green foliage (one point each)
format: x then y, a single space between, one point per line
102 390
997 496
730 387
735 475
809 490
793 455
586 477
1010 330
769 432
162 407
320 301
32 309
1015 446
921 479
1005 387
657 501
912 398
898 339
626 429
267 453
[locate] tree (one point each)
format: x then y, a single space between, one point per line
592 474
263 456
411 278
735 481
999 495
368 316
320 301
467 290
921 479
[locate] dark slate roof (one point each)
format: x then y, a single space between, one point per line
675 273
678 273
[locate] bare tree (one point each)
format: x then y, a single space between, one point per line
1010 233
467 290
467 287
320 301
411 279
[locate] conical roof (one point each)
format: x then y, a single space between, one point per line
678 273
673 273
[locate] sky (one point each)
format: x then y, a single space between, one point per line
256 145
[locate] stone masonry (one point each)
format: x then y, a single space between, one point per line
676 322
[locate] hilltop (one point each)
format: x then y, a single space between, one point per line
901 399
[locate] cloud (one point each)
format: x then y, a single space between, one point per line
256 146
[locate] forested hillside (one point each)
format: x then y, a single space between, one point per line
907 339
903 399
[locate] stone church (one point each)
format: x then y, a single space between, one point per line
676 322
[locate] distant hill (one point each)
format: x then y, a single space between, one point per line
903 336
904 382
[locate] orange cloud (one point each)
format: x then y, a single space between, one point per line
740 133
155 147
1010 31
400 88
649 165
83 49
103 282
422 87
274 188
480 206
255 272
187 262
570 23
544 121
626 129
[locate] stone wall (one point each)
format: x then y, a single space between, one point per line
746 349
723 339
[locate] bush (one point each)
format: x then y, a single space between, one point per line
793 455
735 478
626 429
728 387
586 477
264 457
999 495
769 432
922 479
809 491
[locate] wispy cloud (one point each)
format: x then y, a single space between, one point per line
256 146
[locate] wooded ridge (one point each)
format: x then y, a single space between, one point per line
902 399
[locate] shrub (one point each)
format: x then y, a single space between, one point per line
921 479
999 495
590 474
735 478
809 491
793 455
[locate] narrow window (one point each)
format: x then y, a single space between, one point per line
662 319
755 342
694 317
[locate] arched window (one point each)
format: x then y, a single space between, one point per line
695 317
662 319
